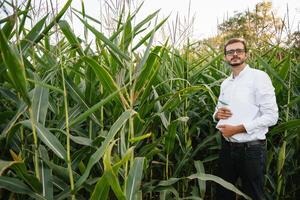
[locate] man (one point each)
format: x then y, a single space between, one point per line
246 108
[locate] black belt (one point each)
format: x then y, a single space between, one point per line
245 144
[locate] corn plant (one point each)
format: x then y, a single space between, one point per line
119 117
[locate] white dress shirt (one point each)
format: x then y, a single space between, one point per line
253 87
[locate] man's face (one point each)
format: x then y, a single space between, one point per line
235 54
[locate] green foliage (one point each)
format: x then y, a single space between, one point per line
123 118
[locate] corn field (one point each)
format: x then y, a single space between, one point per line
123 117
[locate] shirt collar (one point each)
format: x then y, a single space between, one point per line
244 71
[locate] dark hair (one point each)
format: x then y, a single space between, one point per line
235 40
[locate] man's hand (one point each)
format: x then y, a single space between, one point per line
223 113
229 130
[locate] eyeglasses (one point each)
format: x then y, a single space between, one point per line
237 51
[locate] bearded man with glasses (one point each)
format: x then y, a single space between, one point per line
246 109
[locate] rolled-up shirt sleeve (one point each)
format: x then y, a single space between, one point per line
214 115
218 104
266 101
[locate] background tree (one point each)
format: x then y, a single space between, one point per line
260 27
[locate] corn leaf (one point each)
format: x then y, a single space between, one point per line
17 186
133 182
54 21
101 189
146 37
29 39
4 165
100 152
94 108
110 174
295 123
108 42
66 29
104 77
40 104
48 138
46 178
202 184
15 67
216 179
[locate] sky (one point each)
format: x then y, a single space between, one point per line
207 14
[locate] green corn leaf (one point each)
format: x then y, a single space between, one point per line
271 70
32 181
167 192
66 29
45 85
134 179
128 155
127 35
171 134
100 152
46 178
17 186
194 77
15 67
105 78
170 137
11 16
153 75
76 94
87 16
91 85
59 171
110 174
108 42
162 115
202 184
148 67
48 138
21 110
81 140
216 179
169 182
40 103
203 144
102 74
146 37
139 138
101 189
294 101
120 26
145 21
295 123
179 96
94 108
4 165
28 40
25 15
54 21
8 27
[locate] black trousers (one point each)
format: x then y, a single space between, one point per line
247 161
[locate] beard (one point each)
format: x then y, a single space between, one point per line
235 64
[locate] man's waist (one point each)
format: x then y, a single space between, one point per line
244 144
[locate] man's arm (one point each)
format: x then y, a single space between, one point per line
230 130
265 98
223 113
